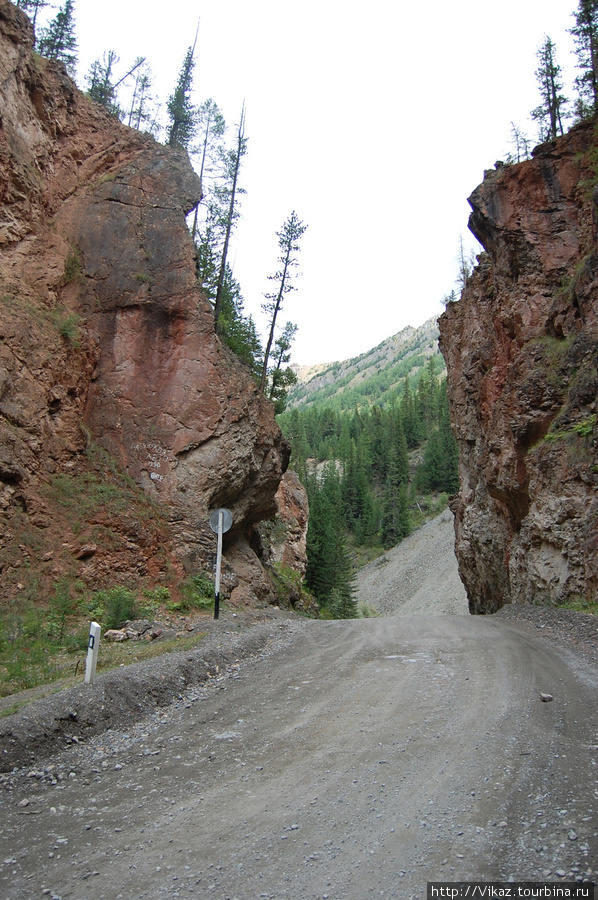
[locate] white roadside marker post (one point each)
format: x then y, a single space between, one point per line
92 652
220 522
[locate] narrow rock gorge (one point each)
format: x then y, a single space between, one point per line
123 418
521 347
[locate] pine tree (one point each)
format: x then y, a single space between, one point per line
379 441
411 424
58 40
208 156
288 243
521 145
427 397
398 444
395 515
211 128
141 114
101 85
585 34
439 467
237 330
465 267
450 451
329 573
32 7
295 432
280 375
232 160
182 115
549 113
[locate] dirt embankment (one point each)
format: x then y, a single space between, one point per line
417 577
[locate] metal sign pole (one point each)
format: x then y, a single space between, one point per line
220 522
218 565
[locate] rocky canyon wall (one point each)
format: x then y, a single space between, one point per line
521 347
110 372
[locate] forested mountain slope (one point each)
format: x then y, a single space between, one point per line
372 442
373 377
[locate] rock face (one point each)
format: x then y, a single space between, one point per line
521 347
108 345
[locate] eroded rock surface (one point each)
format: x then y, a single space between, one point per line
108 346
521 348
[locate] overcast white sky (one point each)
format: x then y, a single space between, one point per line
374 121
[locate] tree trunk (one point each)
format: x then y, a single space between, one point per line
229 224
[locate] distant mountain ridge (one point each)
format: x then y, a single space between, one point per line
372 377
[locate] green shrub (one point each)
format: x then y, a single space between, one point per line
73 267
78 641
119 606
287 581
197 592
341 605
153 600
68 326
61 607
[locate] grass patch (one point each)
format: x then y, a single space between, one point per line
87 494
366 612
197 592
582 429
580 604
67 325
129 652
111 656
73 267
42 645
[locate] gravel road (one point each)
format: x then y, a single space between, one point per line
339 760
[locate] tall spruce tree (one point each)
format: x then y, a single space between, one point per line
395 523
182 114
585 34
411 423
208 155
281 377
237 330
329 573
58 40
288 243
439 469
549 114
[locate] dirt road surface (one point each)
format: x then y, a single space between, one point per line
347 760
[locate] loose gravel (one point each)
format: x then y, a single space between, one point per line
295 760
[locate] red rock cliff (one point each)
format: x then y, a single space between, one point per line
521 347
107 340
